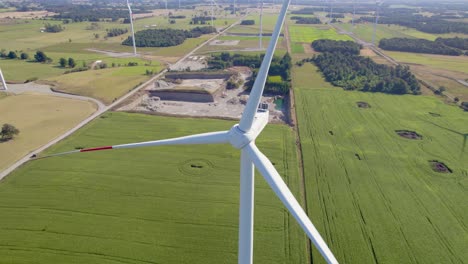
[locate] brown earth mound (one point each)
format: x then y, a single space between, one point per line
438 166
408 134
363 105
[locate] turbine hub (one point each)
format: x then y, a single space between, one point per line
239 138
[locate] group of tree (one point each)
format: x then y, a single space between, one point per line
40 56
177 17
328 45
305 11
335 15
113 32
456 42
248 22
14 55
79 13
67 63
8 132
166 37
53 28
306 20
423 46
200 20
354 72
279 66
434 24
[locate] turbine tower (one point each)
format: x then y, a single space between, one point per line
133 30
3 81
376 21
261 26
354 12
331 12
242 136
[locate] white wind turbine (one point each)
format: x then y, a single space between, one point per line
354 12
261 26
3 81
377 5
133 30
242 136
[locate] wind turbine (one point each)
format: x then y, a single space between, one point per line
242 136
3 81
464 135
261 26
331 12
133 30
354 12
376 20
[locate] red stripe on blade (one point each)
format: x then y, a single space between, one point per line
94 149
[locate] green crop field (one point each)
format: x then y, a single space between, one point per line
145 205
372 193
307 34
39 118
106 84
297 48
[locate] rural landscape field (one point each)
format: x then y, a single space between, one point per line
367 111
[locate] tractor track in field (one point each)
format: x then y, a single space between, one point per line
297 137
101 111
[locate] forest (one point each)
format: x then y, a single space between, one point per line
434 24
456 42
53 28
166 37
200 20
248 22
354 72
328 45
422 46
84 13
280 66
306 20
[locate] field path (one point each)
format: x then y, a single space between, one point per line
26 158
45 89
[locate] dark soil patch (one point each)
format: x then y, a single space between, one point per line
434 114
408 134
438 166
331 132
363 105
357 156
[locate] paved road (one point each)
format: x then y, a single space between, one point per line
45 89
25 159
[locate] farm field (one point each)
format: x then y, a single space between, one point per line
269 21
451 63
39 118
105 84
145 205
372 193
307 34
365 32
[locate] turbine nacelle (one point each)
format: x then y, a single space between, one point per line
239 139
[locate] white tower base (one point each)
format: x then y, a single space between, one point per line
3 82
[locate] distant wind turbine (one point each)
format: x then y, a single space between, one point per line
376 21
242 136
331 12
354 12
261 26
464 135
133 30
3 81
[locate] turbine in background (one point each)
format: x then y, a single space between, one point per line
242 136
133 30
3 81
331 12
354 12
377 5
261 26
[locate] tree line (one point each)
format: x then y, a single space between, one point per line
328 45
354 72
53 28
306 20
200 20
166 37
85 13
279 66
248 22
424 46
113 32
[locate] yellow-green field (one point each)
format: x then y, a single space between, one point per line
105 85
146 205
451 63
372 193
39 118
307 34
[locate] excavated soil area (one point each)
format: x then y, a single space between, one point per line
408 134
363 105
438 166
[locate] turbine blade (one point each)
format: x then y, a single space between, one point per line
206 138
271 175
259 84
